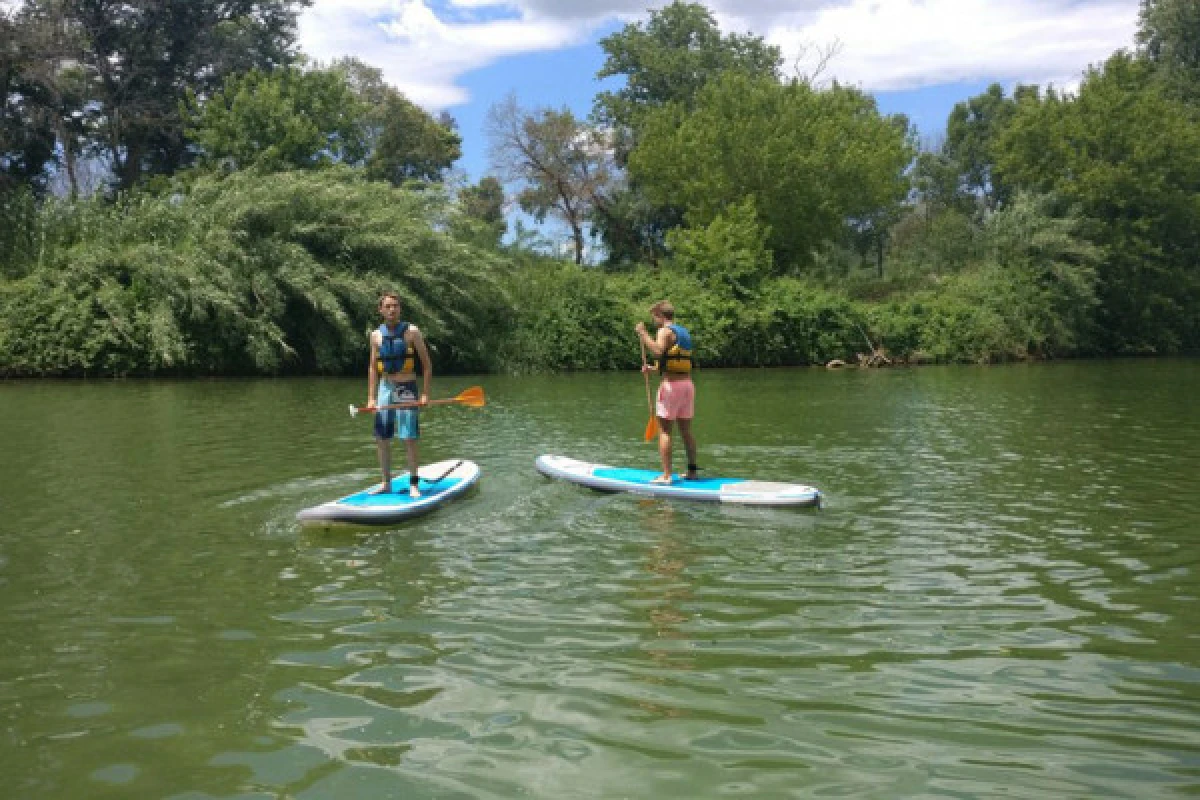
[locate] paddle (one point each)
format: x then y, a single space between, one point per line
472 397
652 425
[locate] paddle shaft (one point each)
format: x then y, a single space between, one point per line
652 425
470 397
441 402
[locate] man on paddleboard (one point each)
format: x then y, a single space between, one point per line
392 380
672 346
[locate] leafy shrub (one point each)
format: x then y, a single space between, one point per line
254 273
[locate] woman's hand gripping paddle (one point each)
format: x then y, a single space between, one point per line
652 425
472 397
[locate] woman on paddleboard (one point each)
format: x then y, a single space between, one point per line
392 380
672 346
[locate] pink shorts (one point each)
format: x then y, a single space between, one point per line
676 399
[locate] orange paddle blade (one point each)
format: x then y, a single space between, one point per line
652 429
472 397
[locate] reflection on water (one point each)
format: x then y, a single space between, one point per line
994 601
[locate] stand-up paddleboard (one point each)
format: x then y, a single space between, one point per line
638 481
440 483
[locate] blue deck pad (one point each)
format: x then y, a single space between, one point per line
645 476
399 495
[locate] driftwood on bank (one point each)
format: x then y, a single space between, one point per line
876 358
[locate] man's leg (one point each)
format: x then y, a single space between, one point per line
384 446
689 444
664 449
410 450
385 429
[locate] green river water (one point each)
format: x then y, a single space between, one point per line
997 599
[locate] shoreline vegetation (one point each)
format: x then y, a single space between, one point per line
245 208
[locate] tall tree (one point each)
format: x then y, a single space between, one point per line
482 209
667 59
142 56
407 143
561 166
1127 152
814 161
295 118
27 121
972 129
670 58
411 144
1169 35
287 119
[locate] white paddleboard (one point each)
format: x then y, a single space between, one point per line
440 483
639 481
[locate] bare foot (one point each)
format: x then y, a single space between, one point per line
414 491
661 479
383 488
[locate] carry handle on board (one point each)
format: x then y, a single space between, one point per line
472 397
457 464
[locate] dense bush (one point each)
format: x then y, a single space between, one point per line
253 273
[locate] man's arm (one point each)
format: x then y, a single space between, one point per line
418 343
652 344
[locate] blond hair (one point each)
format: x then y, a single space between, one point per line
664 309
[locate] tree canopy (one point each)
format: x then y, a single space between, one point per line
810 159
1128 154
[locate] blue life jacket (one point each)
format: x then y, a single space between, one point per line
395 353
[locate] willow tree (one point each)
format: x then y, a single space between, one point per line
249 274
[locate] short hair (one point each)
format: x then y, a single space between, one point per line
664 309
392 295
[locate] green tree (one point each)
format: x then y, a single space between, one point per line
670 58
406 143
482 212
142 57
411 144
972 129
812 160
937 183
288 118
27 124
666 60
561 166
1127 153
1169 35
729 254
239 274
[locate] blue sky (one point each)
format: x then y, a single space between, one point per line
919 57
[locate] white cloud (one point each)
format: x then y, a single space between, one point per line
419 53
883 44
902 44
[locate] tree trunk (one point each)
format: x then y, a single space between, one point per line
577 236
